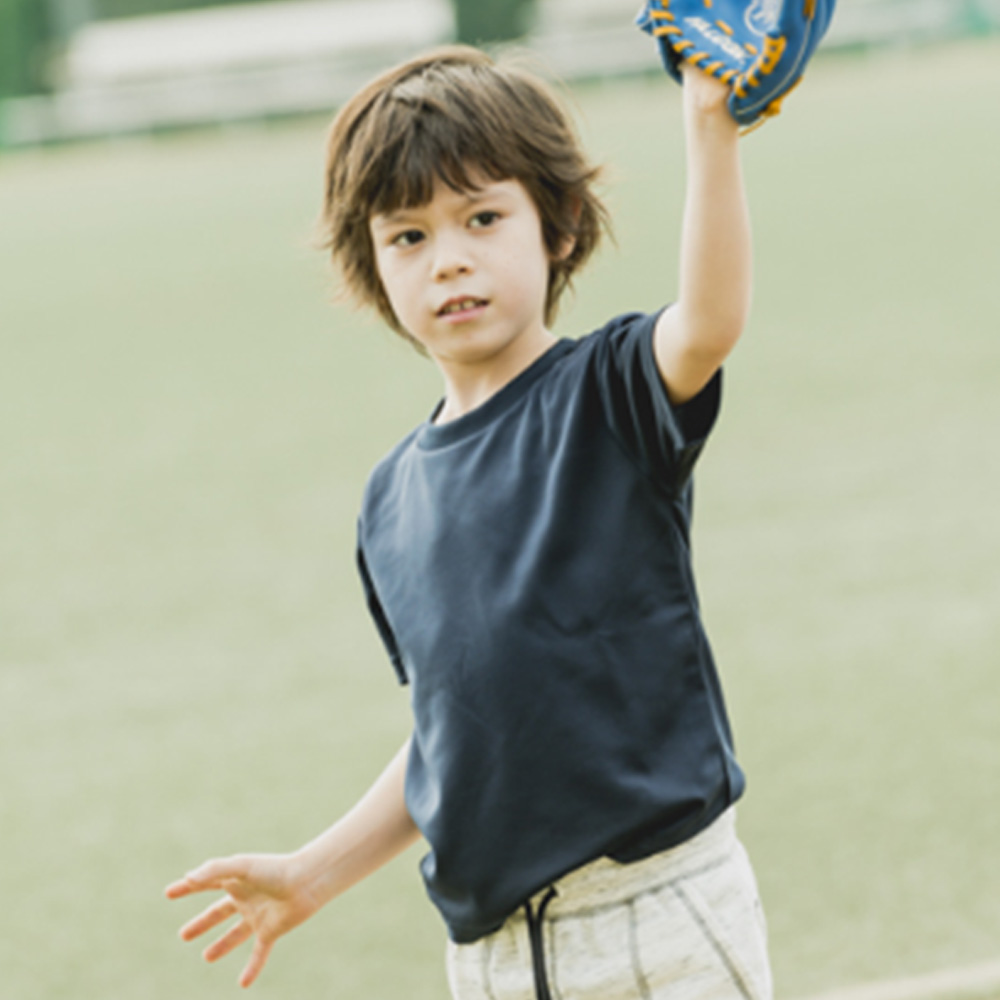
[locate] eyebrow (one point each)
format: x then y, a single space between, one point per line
468 198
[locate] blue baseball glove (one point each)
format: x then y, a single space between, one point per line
758 47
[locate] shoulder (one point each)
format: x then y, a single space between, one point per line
623 339
664 438
637 326
383 479
622 352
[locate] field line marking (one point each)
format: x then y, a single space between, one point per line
948 984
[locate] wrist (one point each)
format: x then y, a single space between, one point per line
706 101
712 133
312 872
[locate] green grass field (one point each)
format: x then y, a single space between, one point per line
186 424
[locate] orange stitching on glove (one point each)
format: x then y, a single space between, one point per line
713 67
763 65
810 9
773 109
697 57
778 102
727 76
683 45
752 49
722 26
774 49
667 29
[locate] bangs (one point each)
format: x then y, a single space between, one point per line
404 174
432 131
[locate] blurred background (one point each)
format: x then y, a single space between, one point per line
188 416
72 68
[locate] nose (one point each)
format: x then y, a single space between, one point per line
451 257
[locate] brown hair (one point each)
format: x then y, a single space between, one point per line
454 114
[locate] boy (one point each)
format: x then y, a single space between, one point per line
525 558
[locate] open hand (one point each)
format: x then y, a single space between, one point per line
262 889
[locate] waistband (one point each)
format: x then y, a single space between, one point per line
606 882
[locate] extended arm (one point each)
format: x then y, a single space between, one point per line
696 334
274 893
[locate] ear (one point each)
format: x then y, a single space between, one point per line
566 247
568 243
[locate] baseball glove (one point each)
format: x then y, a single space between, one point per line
758 47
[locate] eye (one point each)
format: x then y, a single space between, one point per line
483 219
407 238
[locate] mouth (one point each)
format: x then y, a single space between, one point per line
462 305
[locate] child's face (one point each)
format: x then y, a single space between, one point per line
467 273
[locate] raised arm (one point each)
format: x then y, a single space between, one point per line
274 893
695 335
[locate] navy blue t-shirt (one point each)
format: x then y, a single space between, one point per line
528 568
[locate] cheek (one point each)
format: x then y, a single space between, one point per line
524 262
392 281
537 267
403 301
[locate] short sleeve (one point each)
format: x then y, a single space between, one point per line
379 617
663 439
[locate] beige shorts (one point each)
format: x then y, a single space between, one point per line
686 924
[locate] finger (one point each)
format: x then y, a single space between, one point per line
178 889
212 917
256 963
206 876
184 887
230 940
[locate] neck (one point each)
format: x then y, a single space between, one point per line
468 386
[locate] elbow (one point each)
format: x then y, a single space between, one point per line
722 336
714 315
713 335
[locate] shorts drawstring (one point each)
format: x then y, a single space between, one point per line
643 929
538 943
